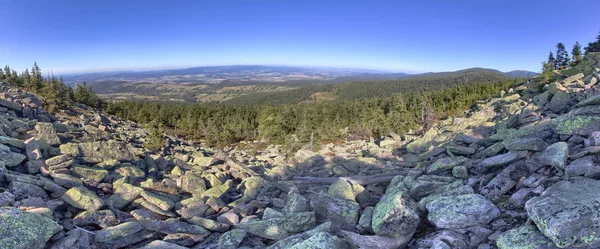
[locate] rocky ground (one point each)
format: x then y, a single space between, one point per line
520 171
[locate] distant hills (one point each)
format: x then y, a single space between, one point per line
252 74
280 84
521 73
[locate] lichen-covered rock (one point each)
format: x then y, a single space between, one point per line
209 224
83 198
444 164
89 172
556 155
192 183
460 172
96 152
101 218
118 231
219 190
527 143
341 212
461 211
559 102
341 189
6 198
46 135
76 239
124 194
567 212
232 239
296 203
159 244
280 227
442 239
570 124
23 230
365 219
501 160
10 158
321 240
172 226
525 237
372 241
297 238
505 180
162 202
395 215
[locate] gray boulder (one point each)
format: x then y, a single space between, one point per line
280 227
444 164
568 213
461 211
526 143
23 230
96 152
395 215
525 237
556 155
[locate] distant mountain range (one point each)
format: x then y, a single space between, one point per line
259 84
249 75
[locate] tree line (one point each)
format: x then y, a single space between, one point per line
55 93
562 59
297 124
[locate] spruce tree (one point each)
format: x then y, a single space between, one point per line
576 54
552 60
593 46
562 56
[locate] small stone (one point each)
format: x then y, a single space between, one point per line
460 172
229 218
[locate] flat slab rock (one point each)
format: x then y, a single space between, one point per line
568 212
453 212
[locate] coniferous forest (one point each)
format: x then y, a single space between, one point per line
356 110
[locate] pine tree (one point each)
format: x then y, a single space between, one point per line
562 56
552 60
576 54
593 46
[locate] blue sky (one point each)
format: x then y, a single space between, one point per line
409 36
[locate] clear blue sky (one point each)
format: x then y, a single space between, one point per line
413 36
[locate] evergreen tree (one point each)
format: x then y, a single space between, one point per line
562 56
551 60
593 46
576 54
